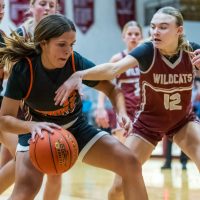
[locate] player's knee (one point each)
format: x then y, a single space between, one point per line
25 192
131 167
28 187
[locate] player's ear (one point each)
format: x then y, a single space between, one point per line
180 30
42 43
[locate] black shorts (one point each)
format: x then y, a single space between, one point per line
85 134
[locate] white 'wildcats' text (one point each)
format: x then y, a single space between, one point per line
172 78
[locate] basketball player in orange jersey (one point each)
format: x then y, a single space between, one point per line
167 65
38 9
127 81
42 66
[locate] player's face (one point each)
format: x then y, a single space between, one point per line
42 8
2 7
57 51
164 32
132 36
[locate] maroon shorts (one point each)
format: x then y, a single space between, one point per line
154 137
112 118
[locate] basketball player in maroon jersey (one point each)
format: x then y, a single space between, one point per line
127 81
167 65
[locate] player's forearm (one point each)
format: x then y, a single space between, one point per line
105 71
108 71
101 100
14 125
117 99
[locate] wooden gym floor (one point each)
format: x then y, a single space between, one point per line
84 182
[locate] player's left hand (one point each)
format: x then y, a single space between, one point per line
74 82
125 122
37 127
196 58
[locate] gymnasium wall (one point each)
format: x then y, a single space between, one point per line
103 39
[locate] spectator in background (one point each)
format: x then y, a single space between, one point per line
168 157
127 81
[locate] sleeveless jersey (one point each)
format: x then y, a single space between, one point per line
129 83
165 93
39 101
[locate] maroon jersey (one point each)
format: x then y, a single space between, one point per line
129 83
165 94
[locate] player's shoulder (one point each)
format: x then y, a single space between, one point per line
80 58
20 30
23 65
76 55
146 44
25 29
116 57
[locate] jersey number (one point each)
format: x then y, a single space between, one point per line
171 101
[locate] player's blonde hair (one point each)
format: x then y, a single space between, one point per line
182 42
32 2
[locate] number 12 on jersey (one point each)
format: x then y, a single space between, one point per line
172 101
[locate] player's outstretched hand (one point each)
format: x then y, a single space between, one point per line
196 58
72 83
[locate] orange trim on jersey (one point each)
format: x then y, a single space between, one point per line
31 73
73 62
31 78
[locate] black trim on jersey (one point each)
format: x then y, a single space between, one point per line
144 54
21 31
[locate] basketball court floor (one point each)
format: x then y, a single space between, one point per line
84 182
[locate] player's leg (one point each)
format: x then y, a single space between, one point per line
188 138
119 134
52 187
141 150
109 153
7 170
5 156
28 180
9 141
7 175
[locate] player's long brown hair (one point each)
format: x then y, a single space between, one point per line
18 47
182 43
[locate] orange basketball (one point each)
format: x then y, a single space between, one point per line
55 153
